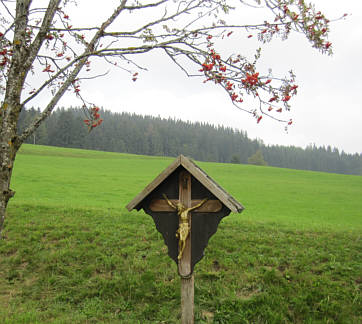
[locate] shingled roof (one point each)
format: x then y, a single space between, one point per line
196 172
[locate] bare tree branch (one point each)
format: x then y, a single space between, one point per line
150 5
38 41
164 19
7 9
72 76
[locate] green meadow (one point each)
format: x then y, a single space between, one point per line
72 253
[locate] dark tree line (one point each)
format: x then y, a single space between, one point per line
130 133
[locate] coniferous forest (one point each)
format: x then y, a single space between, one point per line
130 133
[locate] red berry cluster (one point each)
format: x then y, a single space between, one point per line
237 77
48 69
4 57
5 51
94 118
250 80
313 22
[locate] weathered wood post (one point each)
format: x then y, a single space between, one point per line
186 206
184 265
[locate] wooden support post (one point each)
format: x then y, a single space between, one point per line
187 282
187 300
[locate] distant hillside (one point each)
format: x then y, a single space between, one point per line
130 133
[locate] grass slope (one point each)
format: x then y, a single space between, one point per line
73 254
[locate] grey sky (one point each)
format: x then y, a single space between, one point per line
326 111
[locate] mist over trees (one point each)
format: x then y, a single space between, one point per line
130 133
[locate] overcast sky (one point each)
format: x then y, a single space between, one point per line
326 111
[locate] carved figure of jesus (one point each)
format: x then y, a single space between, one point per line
183 230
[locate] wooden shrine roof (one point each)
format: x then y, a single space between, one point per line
196 172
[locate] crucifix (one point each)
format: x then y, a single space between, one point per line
187 207
183 207
184 223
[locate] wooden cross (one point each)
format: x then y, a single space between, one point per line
184 262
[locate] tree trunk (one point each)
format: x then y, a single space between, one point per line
7 158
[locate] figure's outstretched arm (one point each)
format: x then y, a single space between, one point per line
169 202
199 204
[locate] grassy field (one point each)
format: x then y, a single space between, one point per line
73 254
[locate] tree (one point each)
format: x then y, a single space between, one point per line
257 158
42 51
